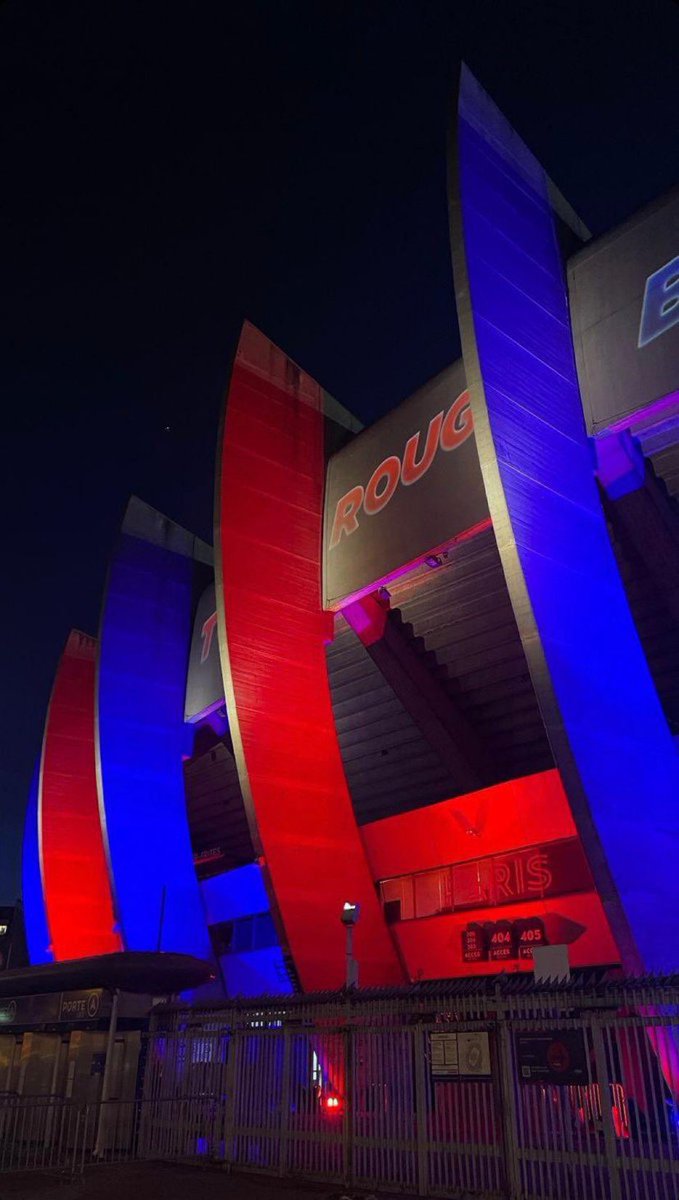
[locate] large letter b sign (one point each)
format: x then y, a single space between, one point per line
660 310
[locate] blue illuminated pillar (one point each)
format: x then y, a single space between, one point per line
606 727
35 916
140 737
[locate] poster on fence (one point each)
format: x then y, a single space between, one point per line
552 1056
459 1055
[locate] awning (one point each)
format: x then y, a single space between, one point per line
141 972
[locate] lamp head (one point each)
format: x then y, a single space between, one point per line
350 913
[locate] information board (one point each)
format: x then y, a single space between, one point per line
552 1056
464 1055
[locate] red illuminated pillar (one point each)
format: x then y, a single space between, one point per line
272 630
75 878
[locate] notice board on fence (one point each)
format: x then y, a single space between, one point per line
459 1055
552 1056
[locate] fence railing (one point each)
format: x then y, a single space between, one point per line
561 1095
42 1135
59 1136
506 1091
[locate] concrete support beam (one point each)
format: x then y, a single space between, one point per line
398 655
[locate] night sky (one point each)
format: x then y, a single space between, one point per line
169 169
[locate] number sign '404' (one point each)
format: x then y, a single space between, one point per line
498 941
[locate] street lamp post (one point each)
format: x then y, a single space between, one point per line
349 917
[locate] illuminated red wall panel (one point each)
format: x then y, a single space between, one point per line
75 877
516 839
522 812
272 630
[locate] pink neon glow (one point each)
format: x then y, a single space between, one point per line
645 416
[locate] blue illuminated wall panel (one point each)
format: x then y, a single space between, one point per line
35 916
144 644
249 968
255 973
603 717
237 893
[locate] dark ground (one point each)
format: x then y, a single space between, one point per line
162 1181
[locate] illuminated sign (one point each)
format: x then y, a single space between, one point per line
402 489
446 431
90 1005
8 1012
495 941
207 861
624 302
528 874
501 941
660 309
474 943
204 684
207 632
530 933
80 1006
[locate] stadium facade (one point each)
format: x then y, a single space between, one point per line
430 667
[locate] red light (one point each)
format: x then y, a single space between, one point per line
332 1103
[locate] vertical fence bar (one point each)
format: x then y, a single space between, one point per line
348 1120
606 1113
75 1147
229 1106
504 1081
283 1131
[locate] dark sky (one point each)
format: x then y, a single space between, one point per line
169 168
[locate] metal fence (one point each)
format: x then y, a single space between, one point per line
482 1090
41 1134
62 1137
486 1091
